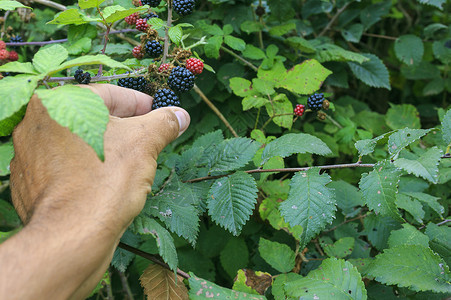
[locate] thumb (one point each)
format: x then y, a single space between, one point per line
160 127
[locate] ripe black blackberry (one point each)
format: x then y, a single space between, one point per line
181 79
151 3
153 49
164 98
183 7
315 101
138 83
82 78
150 16
16 39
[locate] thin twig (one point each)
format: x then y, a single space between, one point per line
215 110
109 290
126 286
253 67
348 221
51 4
438 224
381 36
98 78
334 18
334 122
5 17
326 167
151 257
318 247
167 41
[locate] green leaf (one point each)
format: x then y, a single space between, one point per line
165 242
213 46
281 110
156 23
279 256
15 92
439 240
18 67
83 45
72 16
379 188
98 59
181 216
331 52
201 289
378 230
115 13
282 29
175 34
245 281
84 4
241 87
372 72
253 52
446 127
341 248
251 26
7 125
366 147
310 203
404 115
305 78
80 110
353 33
434 87
6 154
425 166
409 49
301 44
412 206
235 43
122 258
292 143
348 197
334 279
441 52
8 215
403 138
253 102
412 266
431 201
234 256
49 58
409 235
233 154
231 201
11 5
436 3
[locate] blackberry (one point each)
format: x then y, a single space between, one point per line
315 101
299 110
183 7
82 77
16 39
141 25
150 16
138 83
181 79
151 3
195 65
153 49
165 97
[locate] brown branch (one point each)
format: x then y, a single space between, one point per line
240 58
438 224
334 18
348 221
126 286
166 33
51 4
215 110
326 167
381 36
152 258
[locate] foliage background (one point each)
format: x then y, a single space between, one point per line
389 65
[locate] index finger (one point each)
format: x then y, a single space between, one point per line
122 102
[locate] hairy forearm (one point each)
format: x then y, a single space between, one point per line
48 260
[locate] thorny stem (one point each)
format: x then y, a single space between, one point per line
166 33
253 67
151 257
381 36
105 38
215 110
325 167
333 121
334 18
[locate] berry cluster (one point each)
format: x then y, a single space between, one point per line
151 3
164 68
196 66
299 110
82 77
7 55
138 83
150 16
141 25
183 7
153 49
165 97
16 39
131 19
315 101
138 52
181 79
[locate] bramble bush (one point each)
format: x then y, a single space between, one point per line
267 195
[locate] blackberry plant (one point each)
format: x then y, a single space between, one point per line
181 79
315 101
153 49
164 98
184 7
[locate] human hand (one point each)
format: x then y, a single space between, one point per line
55 174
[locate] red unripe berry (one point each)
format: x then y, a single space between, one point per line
2 45
163 68
137 52
13 56
131 19
195 65
141 25
4 54
299 110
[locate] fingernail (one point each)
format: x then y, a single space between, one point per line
183 118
